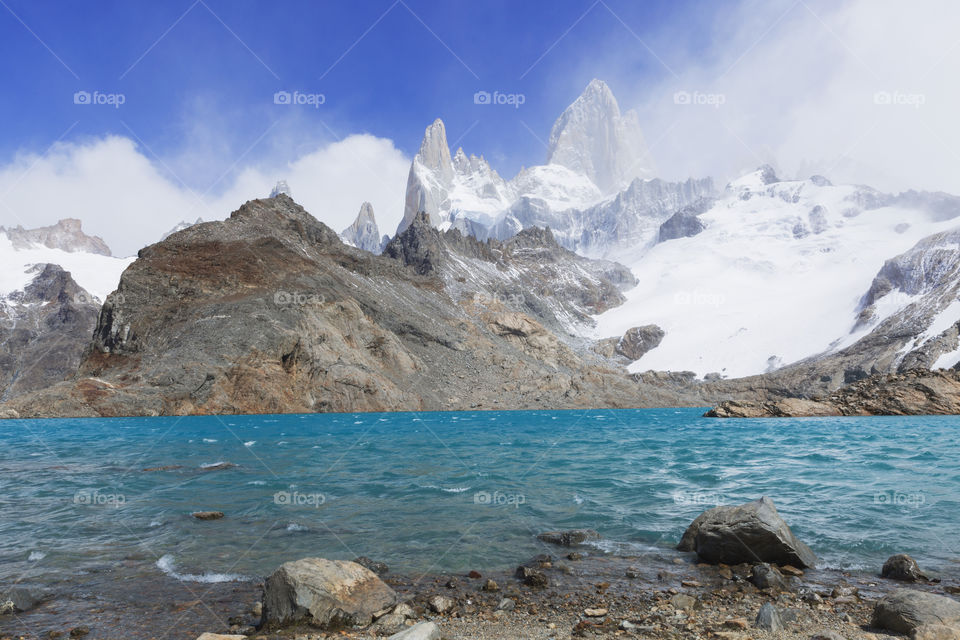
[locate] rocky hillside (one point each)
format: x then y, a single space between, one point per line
269 311
44 330
914 392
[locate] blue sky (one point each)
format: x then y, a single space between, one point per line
787 82
384 67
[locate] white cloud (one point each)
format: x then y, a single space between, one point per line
806 85
130 201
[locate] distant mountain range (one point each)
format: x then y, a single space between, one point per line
587 271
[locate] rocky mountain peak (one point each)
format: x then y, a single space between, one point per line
364 233
434 151
593 138
66 235
418 246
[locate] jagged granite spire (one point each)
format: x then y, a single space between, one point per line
592 138
364 233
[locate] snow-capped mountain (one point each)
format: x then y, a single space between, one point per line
87 258
180 227
596 193
777 274
592 138
364 233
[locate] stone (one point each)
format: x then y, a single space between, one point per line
490 585
763 576
935 632
207 515
637 341
18 600
626 625
405 610
683 602
906 609
902 567
531 577
378 568
568 538
769 618
324 593
736 623
791 570
595 613
257 609
506 605
219 636
391 623
79 632
440 604
421 631
474 575
827 635
752 532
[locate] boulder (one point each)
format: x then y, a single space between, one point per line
207 515
906 609
568 538
422 631
378 568
752 532
440 604
324 593
639 340
769 618
763 576
935 632
902 567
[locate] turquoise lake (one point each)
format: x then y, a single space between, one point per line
432 492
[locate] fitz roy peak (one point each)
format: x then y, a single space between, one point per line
592 138
596 193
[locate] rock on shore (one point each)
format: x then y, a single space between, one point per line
905 610
325 594
915 392
752 532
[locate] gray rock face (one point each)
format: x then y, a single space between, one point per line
44 331
637 341
752 532
364 233
905 609
763 576
324 593
682 224
902 567
66 235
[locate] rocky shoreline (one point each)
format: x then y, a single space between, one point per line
570 591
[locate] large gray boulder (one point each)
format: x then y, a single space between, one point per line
637 341
902 567
752 532
324 593
905 609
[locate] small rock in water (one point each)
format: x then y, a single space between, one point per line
474 575
378 568
902 567
257 609
574 556
506 605
79 632
422 631
768 618
532 577
633 573
569 538
207 515
440 604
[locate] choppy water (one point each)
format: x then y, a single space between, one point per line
431 492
